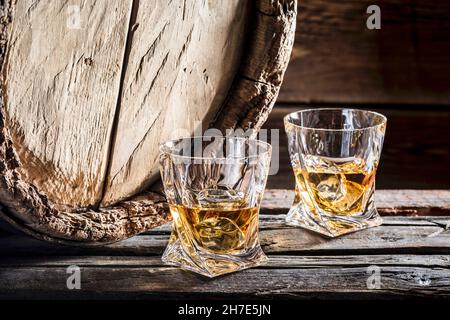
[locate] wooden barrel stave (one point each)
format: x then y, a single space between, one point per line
74 218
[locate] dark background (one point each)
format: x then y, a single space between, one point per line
401 70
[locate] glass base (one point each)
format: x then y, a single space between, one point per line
332 225
211 264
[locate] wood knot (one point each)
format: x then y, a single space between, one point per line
88 61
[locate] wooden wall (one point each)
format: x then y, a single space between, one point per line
338 60
402 70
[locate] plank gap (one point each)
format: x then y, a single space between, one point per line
113 133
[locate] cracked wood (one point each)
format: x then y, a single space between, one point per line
181 62
59 108
87 95
412 257
397 235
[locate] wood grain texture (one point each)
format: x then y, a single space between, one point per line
412 254
60 93
275 261
336 59
388 202
397 235
182 59
29 208
262 283
257 85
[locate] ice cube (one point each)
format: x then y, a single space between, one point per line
220 234
333 188
220 196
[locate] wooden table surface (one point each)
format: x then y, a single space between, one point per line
410 252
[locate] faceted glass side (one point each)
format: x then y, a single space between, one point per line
214 194
335 155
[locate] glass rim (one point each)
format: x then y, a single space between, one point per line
383 117
267 146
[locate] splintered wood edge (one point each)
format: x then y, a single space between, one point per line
257 84
249 102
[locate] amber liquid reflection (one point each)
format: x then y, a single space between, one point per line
218 228
337 186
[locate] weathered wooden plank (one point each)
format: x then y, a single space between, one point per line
388 202
415 152
310 276
410 202
337 59
277 221
399 236
62 71
275 261
307 283
377 240
170 72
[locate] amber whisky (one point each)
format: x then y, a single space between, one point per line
218 227
336 185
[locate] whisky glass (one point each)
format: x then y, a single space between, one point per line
335 155
214 187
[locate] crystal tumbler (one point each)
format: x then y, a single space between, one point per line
214 187
335 155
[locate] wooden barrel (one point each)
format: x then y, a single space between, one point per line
90 88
